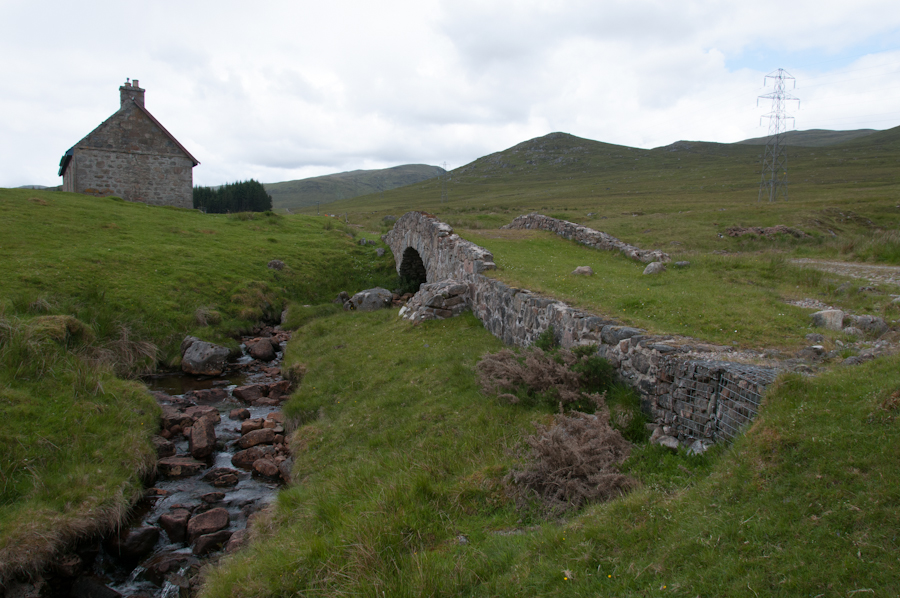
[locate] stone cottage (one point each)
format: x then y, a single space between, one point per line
131 155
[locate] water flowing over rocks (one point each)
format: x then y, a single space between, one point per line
205 493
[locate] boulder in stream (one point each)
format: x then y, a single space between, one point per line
245 459
180 466
175 523
209 542
261 436
132 543
203 437
208 522
249 393
262 350
201 358
221 477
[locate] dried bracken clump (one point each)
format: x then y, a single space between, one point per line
574 461
534 372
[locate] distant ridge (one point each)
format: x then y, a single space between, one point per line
813 137
345 185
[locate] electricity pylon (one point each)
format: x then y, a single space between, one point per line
774 166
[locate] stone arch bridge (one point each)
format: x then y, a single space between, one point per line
682 383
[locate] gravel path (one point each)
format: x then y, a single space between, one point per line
870 272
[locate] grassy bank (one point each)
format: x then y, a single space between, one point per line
97 289
399 490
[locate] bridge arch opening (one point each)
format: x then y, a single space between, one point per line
412 271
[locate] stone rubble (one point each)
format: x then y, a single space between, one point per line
436 301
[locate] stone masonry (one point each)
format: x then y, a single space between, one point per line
681 383
131 155
587 236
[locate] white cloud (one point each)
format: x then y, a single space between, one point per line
281 90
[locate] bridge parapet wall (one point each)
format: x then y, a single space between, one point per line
444 253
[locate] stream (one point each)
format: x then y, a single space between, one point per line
205 492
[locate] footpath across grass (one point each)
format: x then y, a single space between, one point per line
399 487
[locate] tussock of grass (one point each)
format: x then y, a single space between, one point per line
73 442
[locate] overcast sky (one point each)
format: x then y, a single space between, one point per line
286 90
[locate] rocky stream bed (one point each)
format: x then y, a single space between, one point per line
222 457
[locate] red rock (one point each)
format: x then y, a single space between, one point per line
277 416
245 459
175 523
199 411
207 523
164 448
203 438
279 438
282 387
268 402
176 431
263 436
285 468
160 566
239 414
209 395
132 543
262 350
210 542
172 416
266 467
251 424
237 541
212 497
180 466
221 477
249 393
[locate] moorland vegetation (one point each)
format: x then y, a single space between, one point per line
406 467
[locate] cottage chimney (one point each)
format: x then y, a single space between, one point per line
131 91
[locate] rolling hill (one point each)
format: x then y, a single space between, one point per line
813 137
290 195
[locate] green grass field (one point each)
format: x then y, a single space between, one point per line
400 459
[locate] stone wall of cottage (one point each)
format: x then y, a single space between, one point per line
130 156
160 180
681 382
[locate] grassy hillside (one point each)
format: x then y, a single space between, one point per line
813 137
291 195
401 463
95 288
678 198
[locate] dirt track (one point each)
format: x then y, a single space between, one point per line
870 272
